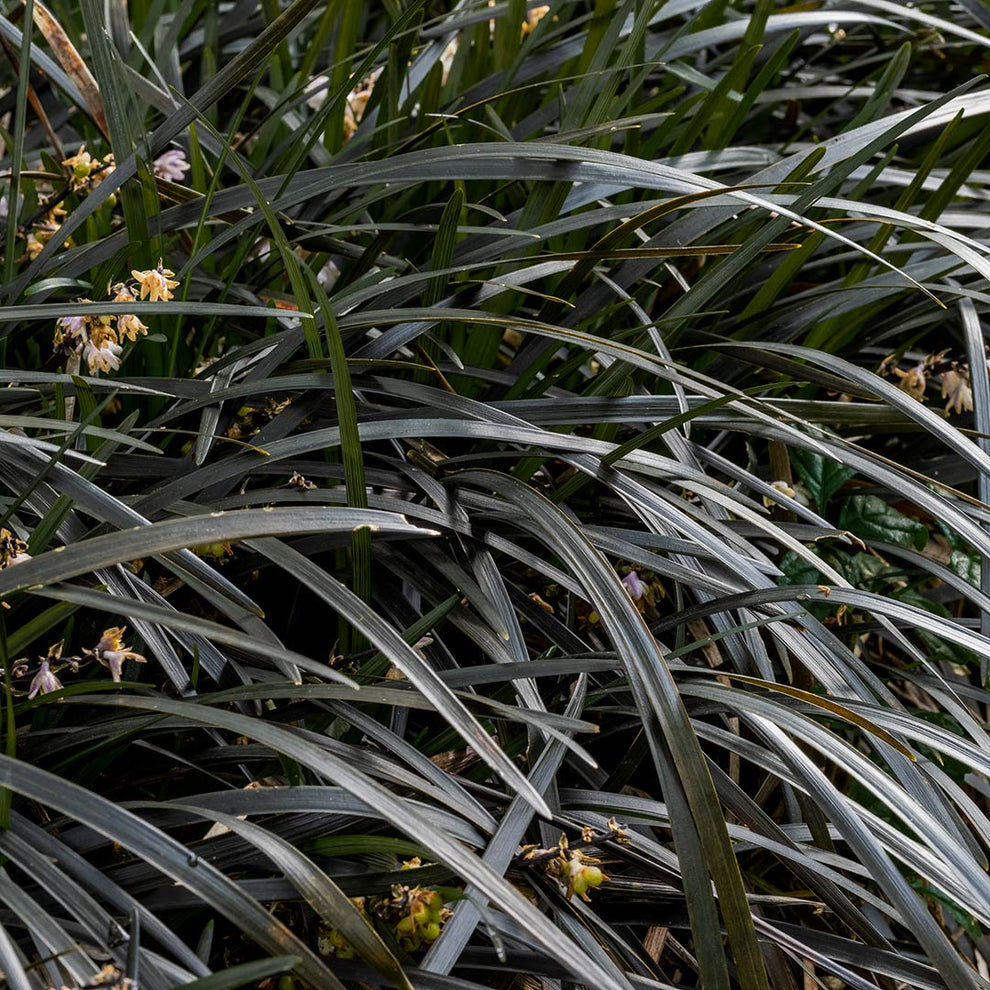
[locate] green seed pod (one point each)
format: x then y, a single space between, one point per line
431 932
580 885
81 170
435 903
419 912
111 201
405 926
593 876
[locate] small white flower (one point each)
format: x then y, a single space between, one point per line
957 388
781 486
130 326
156 283
328 274
104 358
316 92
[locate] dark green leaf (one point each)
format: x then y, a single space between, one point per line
871 518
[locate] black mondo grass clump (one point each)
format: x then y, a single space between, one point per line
494 495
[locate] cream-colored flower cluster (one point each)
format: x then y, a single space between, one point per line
953 377
98 339
84 173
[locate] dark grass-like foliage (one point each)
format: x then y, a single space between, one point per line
568 422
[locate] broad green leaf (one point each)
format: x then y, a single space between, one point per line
870 517
823 477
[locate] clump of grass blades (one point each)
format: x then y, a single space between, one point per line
494 495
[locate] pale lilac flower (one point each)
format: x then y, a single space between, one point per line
172 166
122 292
634 585
111 651
106 357
114 659
44 681
72 325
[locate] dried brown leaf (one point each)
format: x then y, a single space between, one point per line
70 60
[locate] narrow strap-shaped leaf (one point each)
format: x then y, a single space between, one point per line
244 974
169 856
323 895
980 378
379 632
662 709
393 809
104 551
242 65
11 963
